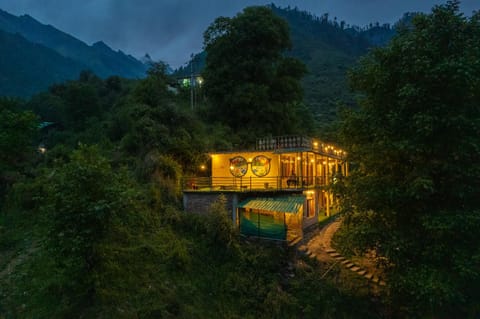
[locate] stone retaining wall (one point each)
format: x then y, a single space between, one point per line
199 203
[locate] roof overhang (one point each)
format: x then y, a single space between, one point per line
285 204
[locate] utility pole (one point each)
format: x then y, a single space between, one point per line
191 81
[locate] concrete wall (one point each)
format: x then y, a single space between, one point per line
199 202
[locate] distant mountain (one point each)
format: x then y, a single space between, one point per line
99 58
27 68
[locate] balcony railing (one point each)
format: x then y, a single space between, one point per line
253 183
284 142
290 143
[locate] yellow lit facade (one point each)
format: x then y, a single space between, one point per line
280 170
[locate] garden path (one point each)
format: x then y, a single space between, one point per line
318 245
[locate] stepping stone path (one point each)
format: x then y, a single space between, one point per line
321 242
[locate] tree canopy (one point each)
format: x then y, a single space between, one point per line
251 85
416 145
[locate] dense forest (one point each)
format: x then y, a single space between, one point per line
91 222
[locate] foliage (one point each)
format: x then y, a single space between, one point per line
415 142
152 90
219 227
83 195
97 220
247 77
88 200
132 119
357 236
166 128
319 298
164 175
171 269
73 102
18 130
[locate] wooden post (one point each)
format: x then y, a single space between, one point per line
327 194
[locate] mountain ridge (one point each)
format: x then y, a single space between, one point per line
98 57
28 68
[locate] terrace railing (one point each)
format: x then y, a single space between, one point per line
253 183
298 143
284 142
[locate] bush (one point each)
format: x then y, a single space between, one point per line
219 226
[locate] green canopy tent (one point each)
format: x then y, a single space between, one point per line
277 218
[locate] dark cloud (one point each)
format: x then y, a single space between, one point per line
171 30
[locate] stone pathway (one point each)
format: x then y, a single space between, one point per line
319 246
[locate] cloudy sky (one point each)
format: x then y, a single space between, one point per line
170 30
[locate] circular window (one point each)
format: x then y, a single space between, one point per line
261 166
238 166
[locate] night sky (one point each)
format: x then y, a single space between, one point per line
170 30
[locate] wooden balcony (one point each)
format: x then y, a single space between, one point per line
248 184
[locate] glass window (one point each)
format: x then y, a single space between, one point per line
287 165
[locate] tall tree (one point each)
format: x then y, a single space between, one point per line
95 211
153 90
416 141
252 86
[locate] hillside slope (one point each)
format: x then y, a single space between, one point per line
27 68
328 48
99 58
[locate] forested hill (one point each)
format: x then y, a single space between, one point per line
329 48
99 58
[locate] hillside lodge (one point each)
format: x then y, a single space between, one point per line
275 191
